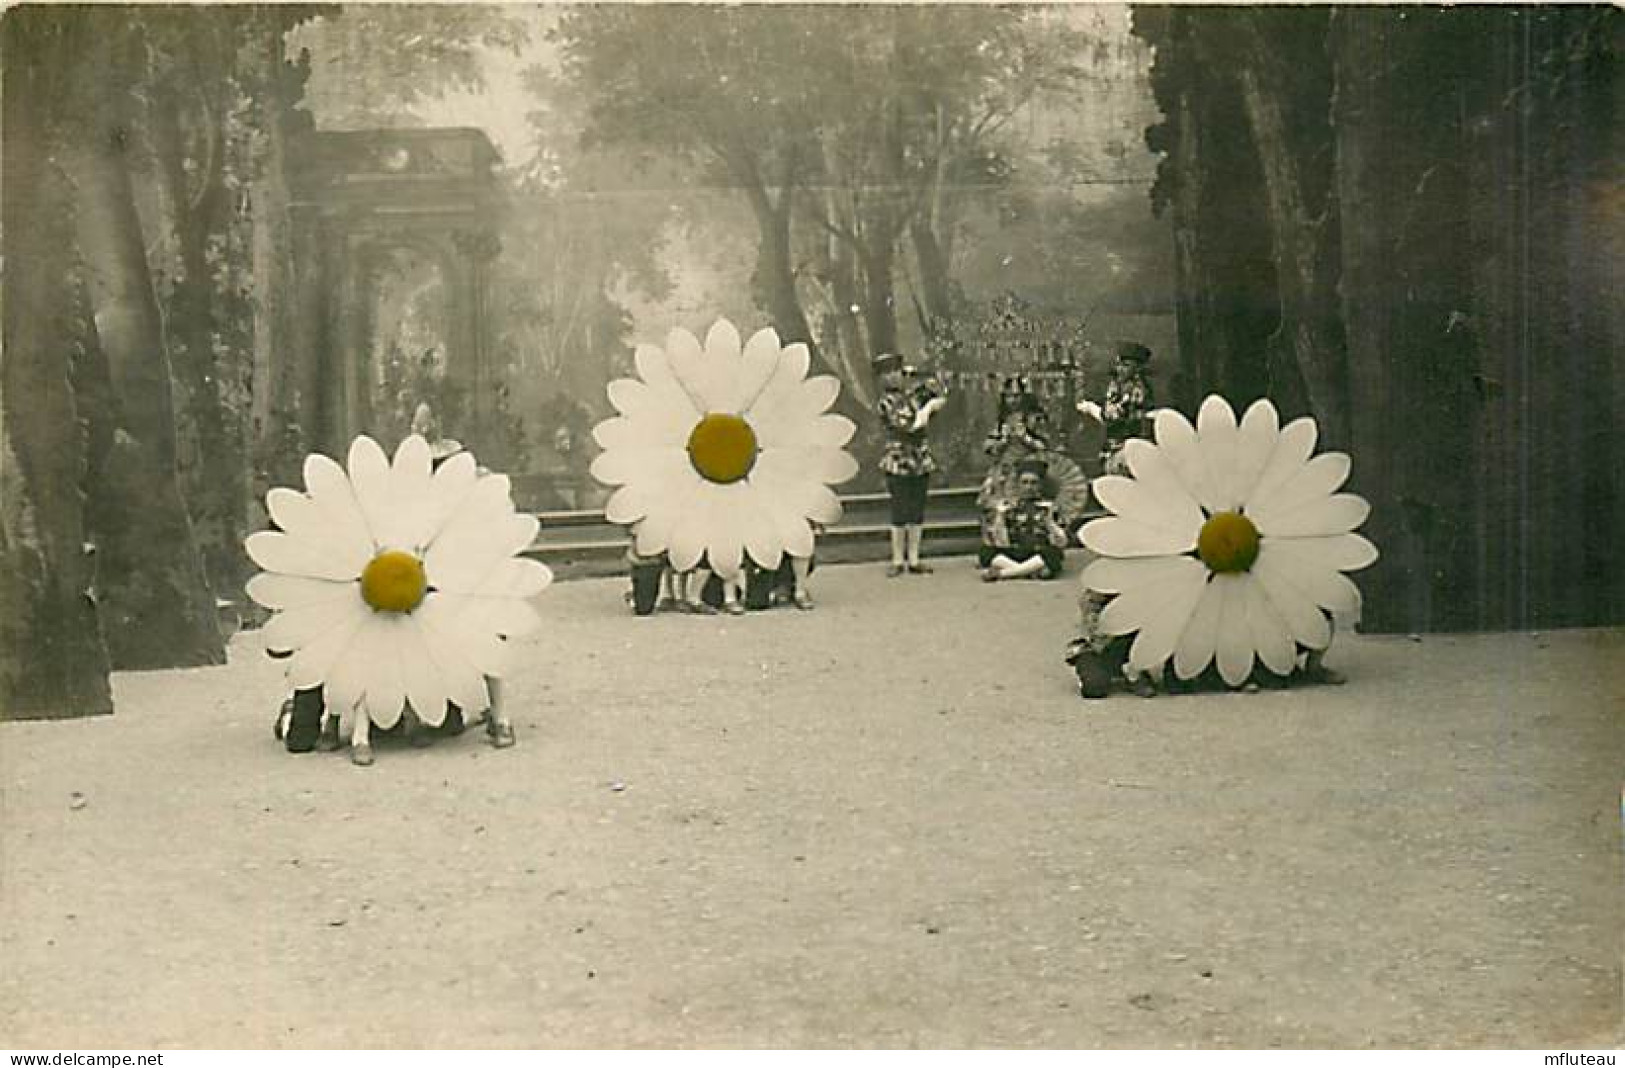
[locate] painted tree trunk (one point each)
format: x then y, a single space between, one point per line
53 664
1305 278
157 610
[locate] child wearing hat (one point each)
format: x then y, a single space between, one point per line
1026 538
906 408
1129 401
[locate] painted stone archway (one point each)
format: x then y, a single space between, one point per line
365 202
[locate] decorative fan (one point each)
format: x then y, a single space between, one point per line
1069 485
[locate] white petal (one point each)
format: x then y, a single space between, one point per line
829 466
1342 552
382 680
1174 513
465 682
692 528
1293 447
654 531
1178 442
1200 638
725 540
311 665
1255 444
294 513
1117 536
1314 481
369 477
1302 564
1139 603
421 675
457 624
1322 517
778 397
761 359
464 557
686 358
292 555
449 487
1303 618
1267 630
631 398
1216 431
636 500
671 412
622 432
347 531
1152 468
411 504
796 534
760 532
295 628
1234 642
1166 620
516 578
346 680
1109 575
271 590
622 466
723 387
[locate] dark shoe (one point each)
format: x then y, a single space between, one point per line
1094 677
304 724
919 569
330 742
1144 687
895 570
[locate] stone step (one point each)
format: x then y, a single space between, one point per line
583 544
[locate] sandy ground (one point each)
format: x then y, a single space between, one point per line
889 822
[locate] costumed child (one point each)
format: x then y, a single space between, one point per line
1100 660
1025 538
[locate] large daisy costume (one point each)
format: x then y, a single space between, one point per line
394 583
1227 542
724 450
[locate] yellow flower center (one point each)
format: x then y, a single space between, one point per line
394 582
722 447
1228 542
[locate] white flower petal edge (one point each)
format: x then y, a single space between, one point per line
463 528
1170 600
671 506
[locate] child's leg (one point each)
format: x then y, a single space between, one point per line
1033 565
361 739
801 567
694 592
497 725
732 589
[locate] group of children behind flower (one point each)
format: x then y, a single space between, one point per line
657 586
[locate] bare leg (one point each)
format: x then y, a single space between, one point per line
695 592
801 567
1000 567
732 588
1033 565
497 725
361 739
915 535
899 537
